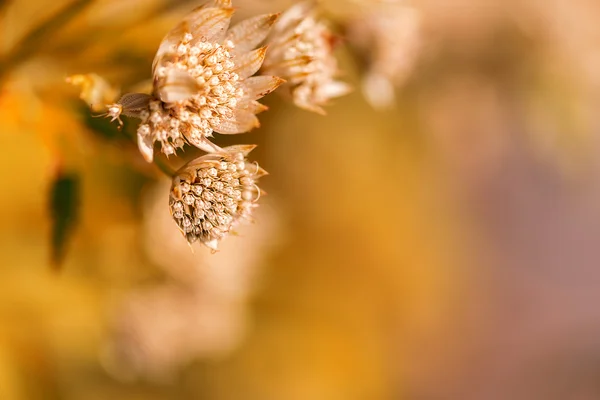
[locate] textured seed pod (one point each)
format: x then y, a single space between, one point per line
212 193
203 81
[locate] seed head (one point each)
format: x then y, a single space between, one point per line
203 81
301 51
211 194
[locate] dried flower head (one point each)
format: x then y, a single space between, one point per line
389 37
301 51
202 81
95 90
211 194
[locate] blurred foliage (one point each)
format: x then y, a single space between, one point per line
64 206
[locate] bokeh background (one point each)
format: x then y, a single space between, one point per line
443 248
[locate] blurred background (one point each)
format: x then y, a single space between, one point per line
439 244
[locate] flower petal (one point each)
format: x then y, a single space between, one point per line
177 85
247 64
256 87
254 107
242 121
294 14
335 89
203 144
245 149
249 33
208 23
223 3
146 146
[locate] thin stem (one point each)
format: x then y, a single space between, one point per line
164 167
39 36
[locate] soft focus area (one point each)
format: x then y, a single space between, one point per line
434 236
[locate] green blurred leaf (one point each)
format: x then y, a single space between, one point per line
64 211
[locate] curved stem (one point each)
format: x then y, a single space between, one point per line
164 167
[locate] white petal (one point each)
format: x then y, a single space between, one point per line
294 14
242 121
204 144
212 244
334 89
146 147
378 91
245 149
178 85
247 64
256 87
251 32
210 25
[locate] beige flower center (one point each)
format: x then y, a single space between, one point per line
206 204
219 92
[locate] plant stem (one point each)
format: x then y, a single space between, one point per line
164 167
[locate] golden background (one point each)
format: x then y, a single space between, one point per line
446 248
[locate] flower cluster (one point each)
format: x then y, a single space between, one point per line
207 78
202 82
211 194
301 51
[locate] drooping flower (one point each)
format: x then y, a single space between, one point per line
203 82
301 51
212 193
95 90
389 36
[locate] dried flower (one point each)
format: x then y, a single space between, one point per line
389 36
95 90
202 82
212 193
301 51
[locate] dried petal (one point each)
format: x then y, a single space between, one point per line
204 23
258 86
145 145
210 25
177 85
95 90
250 33
200 85
301 51
242 121
247 64
203 144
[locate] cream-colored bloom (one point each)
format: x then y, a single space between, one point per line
212 193
389 36
95 90
203 82
301 51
